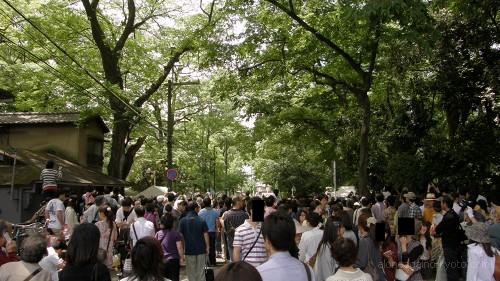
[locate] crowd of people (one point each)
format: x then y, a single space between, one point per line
92 236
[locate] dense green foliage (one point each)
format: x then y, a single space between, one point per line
399 93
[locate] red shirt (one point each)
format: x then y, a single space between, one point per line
5 258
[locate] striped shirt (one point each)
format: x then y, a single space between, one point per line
49 176
244 237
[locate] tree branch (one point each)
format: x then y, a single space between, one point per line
159 120
373 55
187 115
129 27
248 68
290 4
208 14
97 33
157 84
130 154
322 38
332 81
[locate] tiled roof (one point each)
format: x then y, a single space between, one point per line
30 164
20 118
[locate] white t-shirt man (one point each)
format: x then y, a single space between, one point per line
120 216
142 228
55 205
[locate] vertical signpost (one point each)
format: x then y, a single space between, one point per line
172 175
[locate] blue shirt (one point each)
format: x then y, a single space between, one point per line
210 216
193 228
281 266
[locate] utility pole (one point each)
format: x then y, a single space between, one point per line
334 177
226 162
171 122
215 163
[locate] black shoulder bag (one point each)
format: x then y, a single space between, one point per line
253 245
33 274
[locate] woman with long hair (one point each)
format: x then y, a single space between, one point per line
424 237
409 252
325 265
389 254
171 244
70 217
146 261
347 226
109 234
480 254
302 216
369 258
81 257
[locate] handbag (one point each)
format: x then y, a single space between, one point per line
127 266
209 272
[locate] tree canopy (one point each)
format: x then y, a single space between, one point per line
398 93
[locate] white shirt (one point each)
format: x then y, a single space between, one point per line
51 263
120 217
70 219
90 215
143 228
53 207
480 267
309 243
357 275
456 207
281 266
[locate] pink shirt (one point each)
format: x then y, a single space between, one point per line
268 211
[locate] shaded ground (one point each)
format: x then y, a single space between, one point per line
183 276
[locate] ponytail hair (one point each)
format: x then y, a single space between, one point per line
108 212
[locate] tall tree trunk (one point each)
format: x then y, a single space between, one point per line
170 130
122 158
118 142
364 103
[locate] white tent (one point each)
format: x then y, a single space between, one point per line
153 191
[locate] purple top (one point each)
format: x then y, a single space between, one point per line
168 240
151 217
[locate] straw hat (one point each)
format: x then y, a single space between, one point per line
430 196
478 232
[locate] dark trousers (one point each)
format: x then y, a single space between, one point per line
453 262
172 269
211 252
